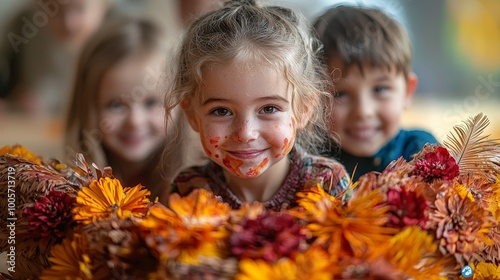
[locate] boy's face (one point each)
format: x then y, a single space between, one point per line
368 106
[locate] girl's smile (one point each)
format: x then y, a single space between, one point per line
247 154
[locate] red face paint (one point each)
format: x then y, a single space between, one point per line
215 140
287 147
233 165
256 170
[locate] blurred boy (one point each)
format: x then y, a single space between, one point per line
368 55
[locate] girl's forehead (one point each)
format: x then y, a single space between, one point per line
250 78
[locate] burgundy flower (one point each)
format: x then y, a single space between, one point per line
269 237
438 164
50 215
407 208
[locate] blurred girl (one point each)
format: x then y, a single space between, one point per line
39 52
116 116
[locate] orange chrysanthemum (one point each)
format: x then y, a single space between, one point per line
192 227
461 226
413 252
479 188
69 260
315 203
20 151
313 264
247 211
350 228
106 197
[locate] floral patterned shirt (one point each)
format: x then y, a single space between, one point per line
305 171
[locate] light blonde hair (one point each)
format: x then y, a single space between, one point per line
118 40
244 30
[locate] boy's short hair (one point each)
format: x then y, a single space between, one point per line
363 36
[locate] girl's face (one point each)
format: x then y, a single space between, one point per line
75 20
245 117
131 111
368 107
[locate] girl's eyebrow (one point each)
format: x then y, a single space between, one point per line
274 98
265 98
213 100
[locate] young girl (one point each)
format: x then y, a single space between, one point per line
250 86
116 116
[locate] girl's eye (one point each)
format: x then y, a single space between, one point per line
268 110
116 105
151 102
221 112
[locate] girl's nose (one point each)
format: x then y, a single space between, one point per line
245 131
136 116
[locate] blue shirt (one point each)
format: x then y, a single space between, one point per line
405 144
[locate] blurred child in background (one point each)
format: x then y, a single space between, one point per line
368 55
251 86
39 50
116 117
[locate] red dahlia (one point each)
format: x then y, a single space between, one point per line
407 208
438 164
50 215
269 237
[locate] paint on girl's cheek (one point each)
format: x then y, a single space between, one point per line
277 127
205 148
255 171
287 146
214 141
216 155
233 165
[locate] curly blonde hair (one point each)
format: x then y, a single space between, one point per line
276 36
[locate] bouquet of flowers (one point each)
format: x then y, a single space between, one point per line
435 217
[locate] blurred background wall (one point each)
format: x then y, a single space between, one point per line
456 47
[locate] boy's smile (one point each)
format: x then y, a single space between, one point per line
245 118
368 106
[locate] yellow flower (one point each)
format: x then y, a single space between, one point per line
69 260
284 269
192 227
486 271
20 151
413 252
106 197
316 203
314 264
462 191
